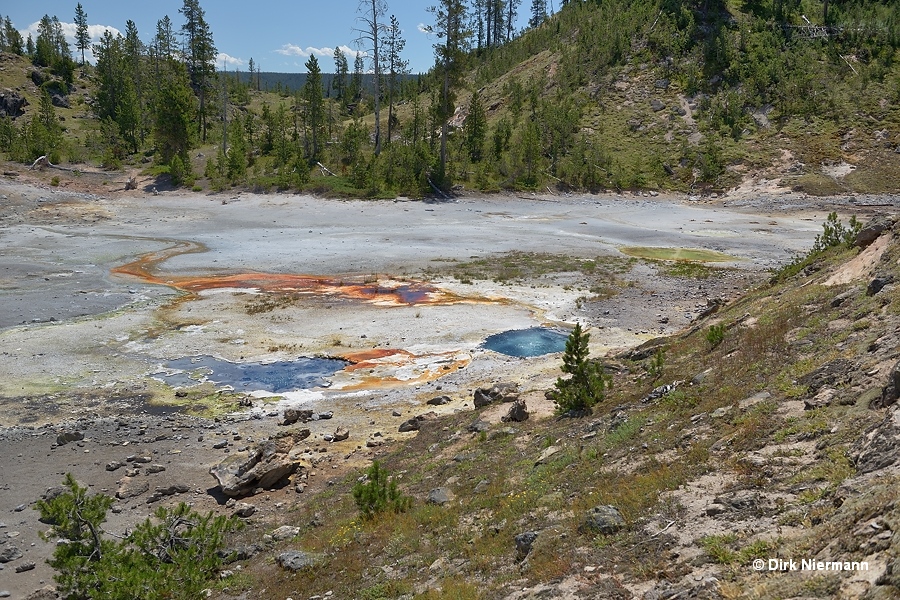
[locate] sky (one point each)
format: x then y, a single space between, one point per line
278 35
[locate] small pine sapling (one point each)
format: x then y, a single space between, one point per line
378 493
587 383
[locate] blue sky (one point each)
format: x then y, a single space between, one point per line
279 36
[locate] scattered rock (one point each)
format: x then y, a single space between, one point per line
26 566
340 434
12 104
9 553
831 374
661 84
169 490
45 593
261 467
293 415
231 555
153 469
604 519
439 401
841 298
657 105
878 283
114 465
440 496
245 510
130 487
501 392
479 426
546 454
285 532
873 229
409 425
524 542
518 412
296 560
891 392
879 446
69 436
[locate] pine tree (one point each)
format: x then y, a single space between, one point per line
82 37
341 70
450 19
475 129
315 106
538 13
587 382
200 53
397 67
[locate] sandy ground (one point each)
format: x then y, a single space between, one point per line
80 341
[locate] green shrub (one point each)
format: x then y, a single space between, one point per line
379 493
587 384
172 556
715 335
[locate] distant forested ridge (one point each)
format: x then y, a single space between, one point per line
612 94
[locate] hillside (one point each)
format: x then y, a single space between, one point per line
767 431
687 96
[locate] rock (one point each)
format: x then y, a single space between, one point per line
716 509
879 447
285 532
657 105
500 392
841 298
479 426
831 374
26 566
169 490
546 454
518 412
244 510
341 434
409 425
603 519
873 229
326 415
878 283
292 415
60 101
891 392
130 487
12 104
54 492
131 184
661 84
69 436
38 78
153 469
440 496
296 560
524 542
114 465
47 592
439 401
231 555
220 444
9 553
261 467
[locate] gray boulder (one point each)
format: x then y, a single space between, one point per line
297 560
285 532
500 392
439 401
873 229
410 425
524 543
9 553
292 415
879 447
340 434
878 283
603 519
12 104
440 496
261 467
69 436
130 487
891 392
518 412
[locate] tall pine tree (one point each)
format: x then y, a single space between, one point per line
200 53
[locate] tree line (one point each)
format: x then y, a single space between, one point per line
412 136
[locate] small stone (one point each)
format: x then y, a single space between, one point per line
28 566
440 496
604 519
524 542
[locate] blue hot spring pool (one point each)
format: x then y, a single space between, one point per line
284 376
535 341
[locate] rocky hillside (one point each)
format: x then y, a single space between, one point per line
770 431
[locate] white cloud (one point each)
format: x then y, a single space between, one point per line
423 28
229 60
324 52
